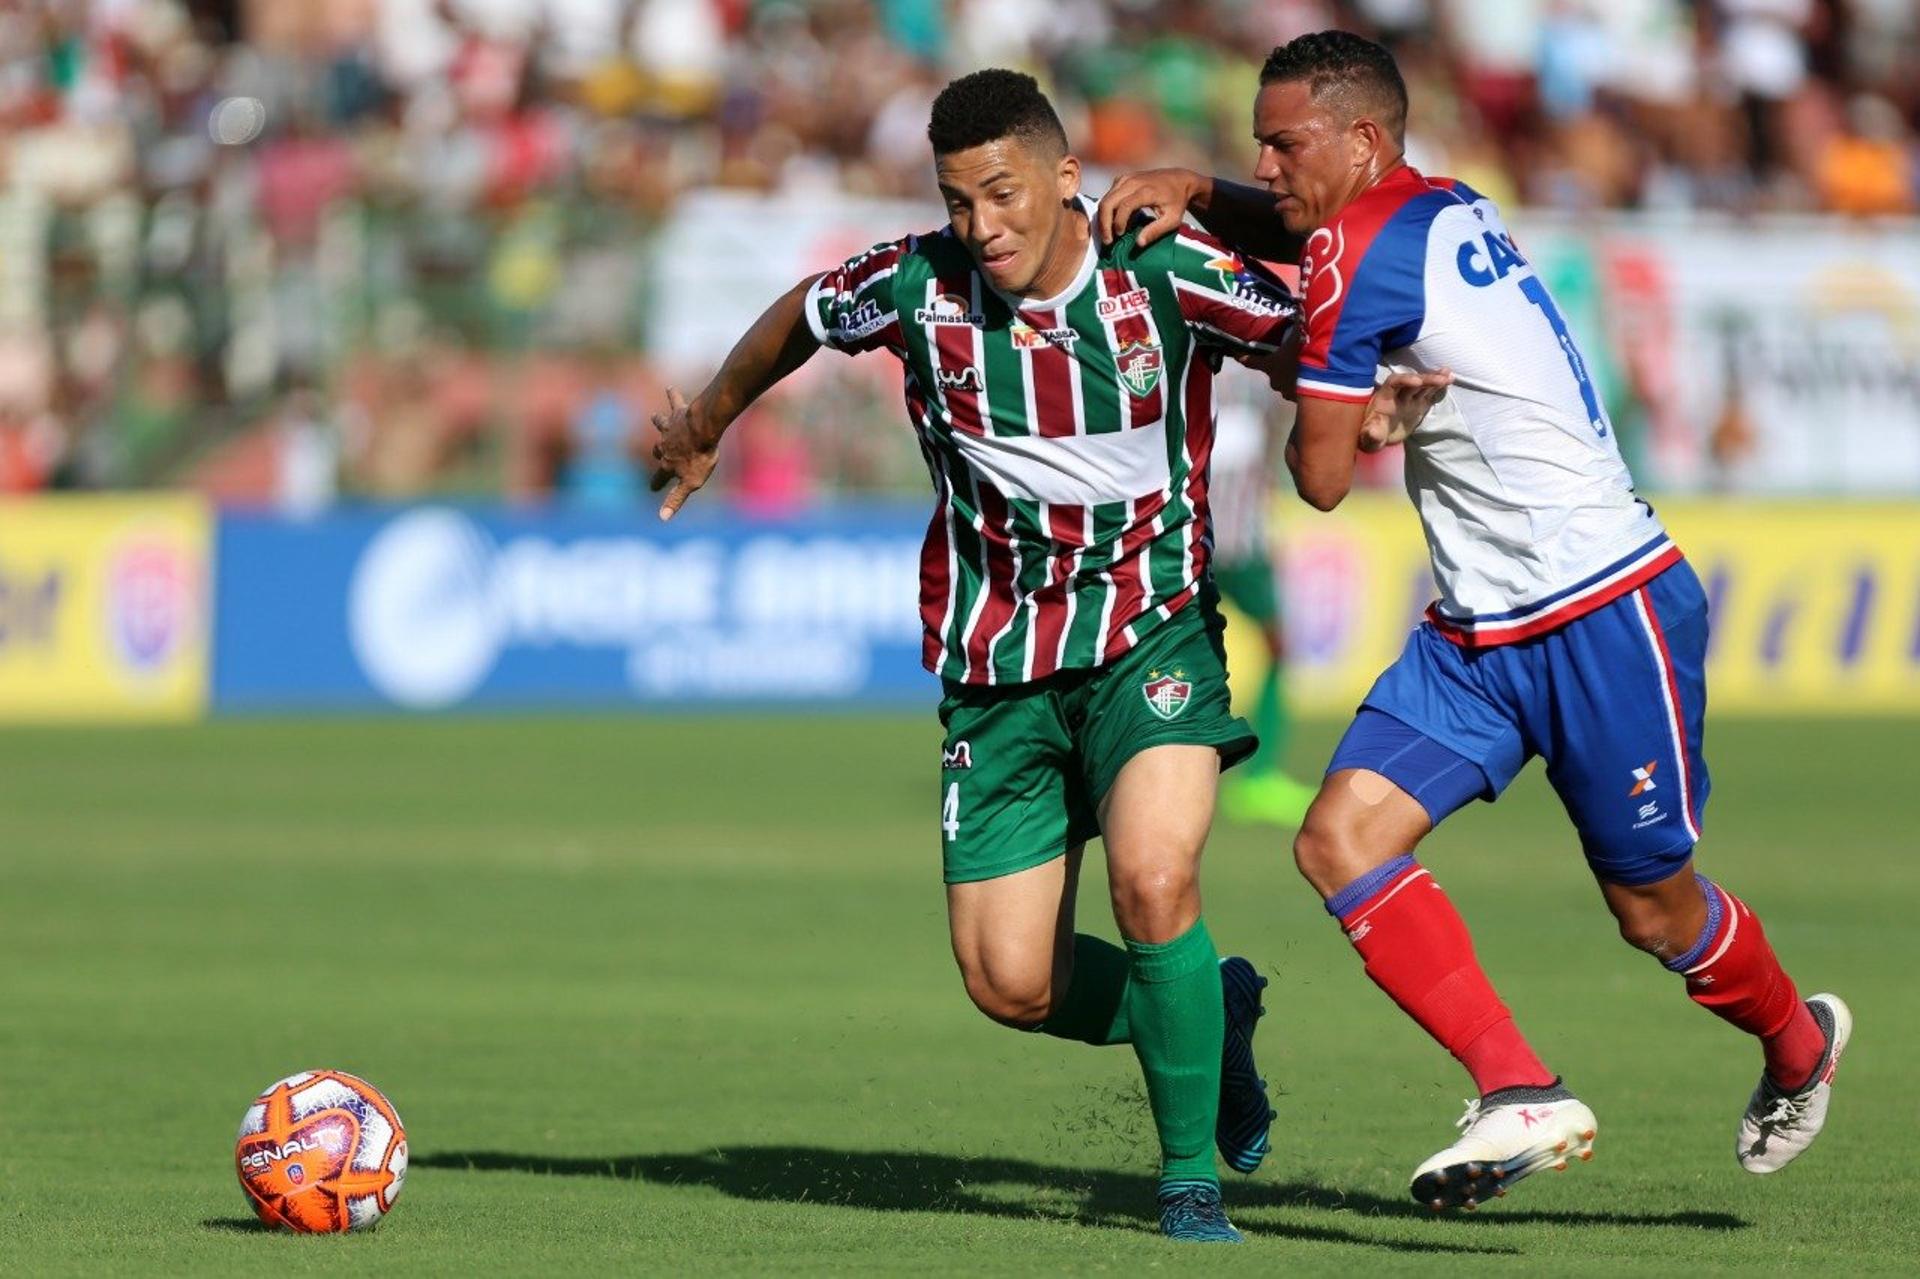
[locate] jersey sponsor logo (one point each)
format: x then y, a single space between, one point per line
1026 338
1250 292
1121 305
1245 289
958 755
950 308
967 379
865 320
1500 259
1643 779
1167 695
1139 365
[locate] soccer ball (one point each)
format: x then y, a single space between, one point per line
321 1152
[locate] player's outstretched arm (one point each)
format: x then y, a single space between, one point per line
779 342
1243 216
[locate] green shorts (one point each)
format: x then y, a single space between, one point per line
1248 585
1025 766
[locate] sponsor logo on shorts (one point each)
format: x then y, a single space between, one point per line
1643 779
1166 695
958 755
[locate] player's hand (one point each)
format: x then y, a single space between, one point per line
1167 192
1399 405
682 457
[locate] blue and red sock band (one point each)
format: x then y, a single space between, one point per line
1380 879
1716 918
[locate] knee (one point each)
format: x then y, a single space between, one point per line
1021 1002
1155 903
1325 853
1659 932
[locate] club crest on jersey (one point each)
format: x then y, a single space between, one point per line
950 308
1166 695
1139 366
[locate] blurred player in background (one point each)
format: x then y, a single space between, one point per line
1246 464
1569 625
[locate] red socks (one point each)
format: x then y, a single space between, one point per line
1417 949
1733 973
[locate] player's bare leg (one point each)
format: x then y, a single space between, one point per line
1013 939
1356 849
1155 819
1700 930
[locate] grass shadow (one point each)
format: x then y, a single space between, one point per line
236 1225
1307 1194
895 1181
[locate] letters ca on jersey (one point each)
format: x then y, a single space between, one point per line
1067 437
1529 509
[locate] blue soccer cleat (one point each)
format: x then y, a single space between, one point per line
1245 1116
1191 1212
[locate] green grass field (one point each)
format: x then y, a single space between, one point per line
675 995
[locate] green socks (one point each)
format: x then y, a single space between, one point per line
1174 1009
1095 1009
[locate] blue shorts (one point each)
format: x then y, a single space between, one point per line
1614 701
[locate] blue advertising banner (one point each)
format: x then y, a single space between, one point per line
442 607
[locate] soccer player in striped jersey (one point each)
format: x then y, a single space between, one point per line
1062 396
1569 625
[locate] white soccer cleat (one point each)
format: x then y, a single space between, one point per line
1505 1136
1779 1125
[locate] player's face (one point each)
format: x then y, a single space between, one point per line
1009 202
1310 158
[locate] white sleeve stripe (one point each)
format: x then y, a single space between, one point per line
1335 391
812 309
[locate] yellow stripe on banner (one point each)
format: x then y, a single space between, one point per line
104 608
1816 604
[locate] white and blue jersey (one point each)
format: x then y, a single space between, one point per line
1568 625
1529 511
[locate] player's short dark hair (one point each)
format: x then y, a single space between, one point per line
985 106
1340 62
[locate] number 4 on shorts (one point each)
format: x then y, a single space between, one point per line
950 811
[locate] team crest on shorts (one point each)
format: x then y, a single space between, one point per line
1166 694
1139 365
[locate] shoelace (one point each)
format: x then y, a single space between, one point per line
1472 1116
1187 1200
1786 1111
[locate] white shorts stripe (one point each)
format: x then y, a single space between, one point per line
1676 719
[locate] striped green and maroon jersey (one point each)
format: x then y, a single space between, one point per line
1067 438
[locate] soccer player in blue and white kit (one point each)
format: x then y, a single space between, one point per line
1569 625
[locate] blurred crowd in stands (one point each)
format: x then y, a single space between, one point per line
289 250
